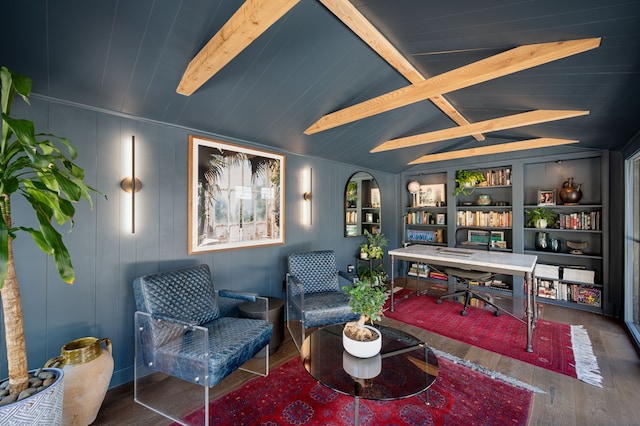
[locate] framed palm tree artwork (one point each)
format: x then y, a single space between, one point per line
236 196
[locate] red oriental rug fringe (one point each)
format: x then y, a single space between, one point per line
552 343
290 396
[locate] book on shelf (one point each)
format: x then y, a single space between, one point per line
560 290
580 220
419 269
438 276
352 217
498 177
425 218
498 219
590 296
425 236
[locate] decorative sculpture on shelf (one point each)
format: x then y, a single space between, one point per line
569 194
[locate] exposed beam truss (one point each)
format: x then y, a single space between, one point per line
493 149
363 28
501 123
505 63
252 19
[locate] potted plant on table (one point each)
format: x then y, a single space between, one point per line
34 166
367 299
540 217
467 181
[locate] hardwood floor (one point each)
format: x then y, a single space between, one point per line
566 402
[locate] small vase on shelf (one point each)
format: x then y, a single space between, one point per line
542 242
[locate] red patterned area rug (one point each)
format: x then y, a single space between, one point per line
290 396
558 347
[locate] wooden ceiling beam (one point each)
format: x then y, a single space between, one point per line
493 149
252 19
363 28
493 125
505 63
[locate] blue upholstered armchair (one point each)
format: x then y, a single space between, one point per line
187 330
314 293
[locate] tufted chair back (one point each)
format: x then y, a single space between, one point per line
316 270
185 293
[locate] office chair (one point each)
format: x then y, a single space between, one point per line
464 277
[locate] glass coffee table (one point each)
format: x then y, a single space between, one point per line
405 367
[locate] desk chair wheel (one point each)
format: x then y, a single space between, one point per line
463 313
439 301
497 313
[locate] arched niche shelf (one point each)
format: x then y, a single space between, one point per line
362 205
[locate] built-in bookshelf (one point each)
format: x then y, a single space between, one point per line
577 240
425 219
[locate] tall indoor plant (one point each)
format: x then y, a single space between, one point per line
34 166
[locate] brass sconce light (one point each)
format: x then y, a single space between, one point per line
132 184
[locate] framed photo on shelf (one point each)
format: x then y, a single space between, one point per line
547 197
432 195
481 237
440 219
500 244
236 196
375 197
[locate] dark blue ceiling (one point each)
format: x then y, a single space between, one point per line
128 57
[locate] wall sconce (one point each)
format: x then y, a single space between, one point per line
306 196
132 184
414 188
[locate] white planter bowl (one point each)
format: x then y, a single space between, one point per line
363 349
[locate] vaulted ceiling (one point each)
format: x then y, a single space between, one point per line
130 57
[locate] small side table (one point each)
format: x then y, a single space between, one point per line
276 317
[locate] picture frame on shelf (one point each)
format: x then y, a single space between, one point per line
432 195
500 244
441 219
481 237
375 197
546 197
235 196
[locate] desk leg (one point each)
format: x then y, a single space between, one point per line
392 283
529 288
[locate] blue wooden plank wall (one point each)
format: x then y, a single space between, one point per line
107 257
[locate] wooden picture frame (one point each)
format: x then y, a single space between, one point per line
236 196
432 195
547 197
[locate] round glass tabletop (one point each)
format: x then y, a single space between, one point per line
405 366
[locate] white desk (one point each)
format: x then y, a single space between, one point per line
477 260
